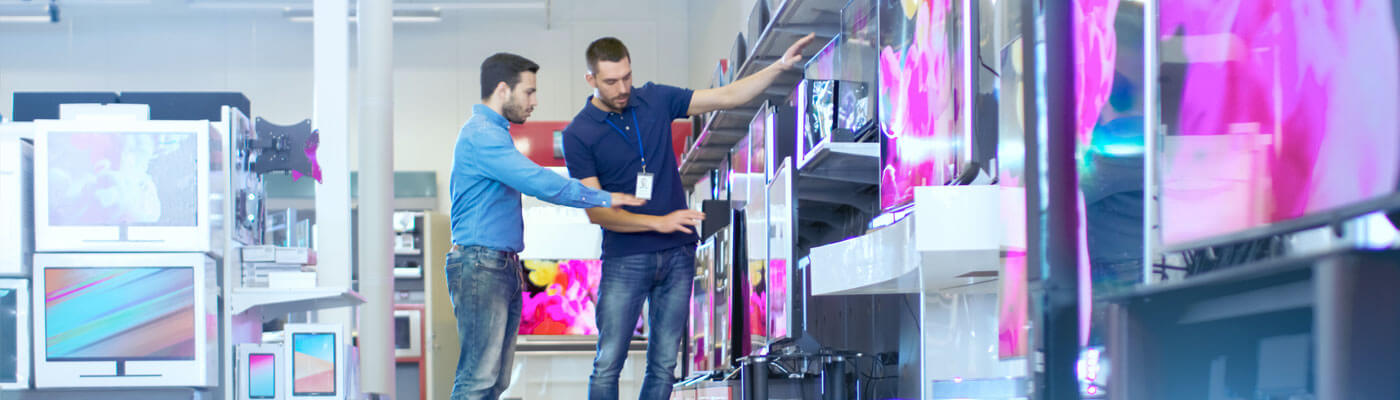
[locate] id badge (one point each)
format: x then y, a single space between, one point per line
644 181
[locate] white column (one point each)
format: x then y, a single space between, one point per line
376 116
331 86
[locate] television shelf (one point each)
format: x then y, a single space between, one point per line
286 301
792 20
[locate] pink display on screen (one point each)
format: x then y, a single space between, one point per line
758 299
1282 109
917 103
1013 308
561 297
777 298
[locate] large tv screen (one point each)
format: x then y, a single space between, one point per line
561 297
919 109
119 314
1274 111
126 178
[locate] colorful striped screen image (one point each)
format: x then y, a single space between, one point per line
119 314
262 376
9 335
313 362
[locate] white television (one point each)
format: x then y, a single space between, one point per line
260 372
408 334
247 201
125 320
14 334
125 186
16 206
316 354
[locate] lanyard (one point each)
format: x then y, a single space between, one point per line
640 150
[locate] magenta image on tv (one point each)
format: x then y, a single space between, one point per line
1274 110
918 92
561 297
757 299
776 297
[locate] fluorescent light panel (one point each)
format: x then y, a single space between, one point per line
28 12
405 16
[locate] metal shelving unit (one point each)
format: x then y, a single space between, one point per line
791 21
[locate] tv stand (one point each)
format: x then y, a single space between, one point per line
121 373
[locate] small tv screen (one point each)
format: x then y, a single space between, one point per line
119 314
561 298
919 110
313 363
262 376
1275 111
403 334
122 179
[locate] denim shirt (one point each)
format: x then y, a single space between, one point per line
488 176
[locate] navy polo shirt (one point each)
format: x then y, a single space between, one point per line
594 148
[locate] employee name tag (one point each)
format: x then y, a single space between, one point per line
644 181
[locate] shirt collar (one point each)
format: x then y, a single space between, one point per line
597 114
491 116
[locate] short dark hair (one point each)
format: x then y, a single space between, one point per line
503 67
606 49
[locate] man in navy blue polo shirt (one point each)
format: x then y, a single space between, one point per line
621 142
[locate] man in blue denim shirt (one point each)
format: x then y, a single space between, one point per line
621 142
483 269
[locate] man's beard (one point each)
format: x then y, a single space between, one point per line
513 113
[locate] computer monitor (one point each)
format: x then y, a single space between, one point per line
1275 127
14 334
260 371
740 179
16 206
921 84
124 186
316 354
124 320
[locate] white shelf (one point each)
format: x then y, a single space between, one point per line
284 301
408 252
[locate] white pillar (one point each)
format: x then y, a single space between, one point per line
376 116
331 86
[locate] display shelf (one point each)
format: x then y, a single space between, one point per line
854 163
408 252
792 20
285 301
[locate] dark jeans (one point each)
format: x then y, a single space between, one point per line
485 289
664 278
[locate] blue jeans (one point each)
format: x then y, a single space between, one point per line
664 278
485 288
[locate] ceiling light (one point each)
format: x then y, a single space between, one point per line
29 12
404 16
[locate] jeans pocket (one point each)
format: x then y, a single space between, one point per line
490 260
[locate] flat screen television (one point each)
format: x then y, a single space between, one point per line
316 353
758 162
16 206
14 334
781 239
753 282
1273 126
259 371
561 298
124 186
921 98
820 99
701 326
722 348
124 320
859 66
739 177
758 20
